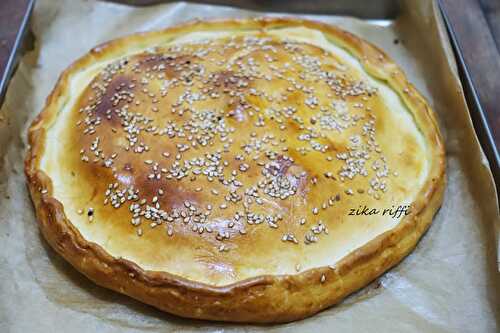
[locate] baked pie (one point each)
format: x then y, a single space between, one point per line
225 170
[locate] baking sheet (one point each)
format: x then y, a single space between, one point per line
450 283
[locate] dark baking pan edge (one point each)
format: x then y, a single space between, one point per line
13 56
478 116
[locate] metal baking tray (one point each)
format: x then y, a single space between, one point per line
476 110
381 11
20 44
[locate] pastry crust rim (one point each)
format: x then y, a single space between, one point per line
267 298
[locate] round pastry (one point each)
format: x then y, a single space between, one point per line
254 170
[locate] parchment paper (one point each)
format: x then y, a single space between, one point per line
450 283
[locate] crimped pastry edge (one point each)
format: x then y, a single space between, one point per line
263 299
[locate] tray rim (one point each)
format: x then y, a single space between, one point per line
11 61
480 124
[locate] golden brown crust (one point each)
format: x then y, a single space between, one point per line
270 298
